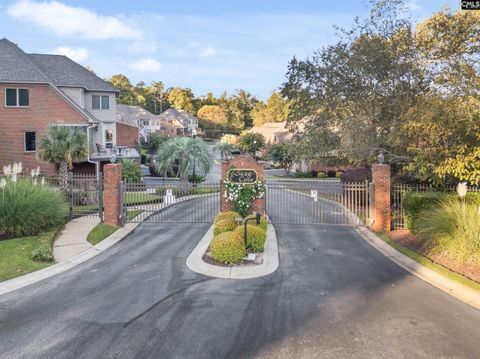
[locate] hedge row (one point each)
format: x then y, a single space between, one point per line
414 203
228 244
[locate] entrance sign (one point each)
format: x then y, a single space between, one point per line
242 175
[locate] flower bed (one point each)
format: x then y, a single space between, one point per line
228 246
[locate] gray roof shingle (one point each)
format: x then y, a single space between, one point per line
18 66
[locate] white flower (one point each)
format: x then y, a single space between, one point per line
14 177
32 173
35 181
43 181
7 170
462 189
3 183
17 168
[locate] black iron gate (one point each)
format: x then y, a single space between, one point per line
318 202
170 202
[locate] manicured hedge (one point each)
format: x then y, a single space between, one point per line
225 225
231 215
414 203
256 237
228 248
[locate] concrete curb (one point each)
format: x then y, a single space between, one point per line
34 277
457 290
270 259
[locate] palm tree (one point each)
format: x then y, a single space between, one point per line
62 146
188 153
224 148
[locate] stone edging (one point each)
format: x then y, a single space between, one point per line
459 291
30 278
270 259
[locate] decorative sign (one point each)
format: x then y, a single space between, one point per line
314 194
241 175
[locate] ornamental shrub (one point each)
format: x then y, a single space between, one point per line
131 171
452 228
339 174
357 175
225 225
28 208
256 237
228 248
231 215
321 174
414 203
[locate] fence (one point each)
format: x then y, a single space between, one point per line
398 194
172 202
322 202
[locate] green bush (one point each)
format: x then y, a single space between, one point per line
226 225
131 171
339 174
452 228
231 215
228 248
196 179
321 174
414 203
43 253
256 237
27 209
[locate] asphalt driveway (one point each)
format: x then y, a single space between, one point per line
333 296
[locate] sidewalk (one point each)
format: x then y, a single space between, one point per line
72 240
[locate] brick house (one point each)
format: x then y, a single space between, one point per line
40 90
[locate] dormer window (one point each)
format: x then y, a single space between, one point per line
15 97
100 102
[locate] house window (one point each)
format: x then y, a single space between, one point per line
105 102
109 138
30 141
95 102
17 97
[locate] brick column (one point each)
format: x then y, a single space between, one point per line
112 176
381 207
246 162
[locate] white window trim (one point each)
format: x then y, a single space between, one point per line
25 141
18 97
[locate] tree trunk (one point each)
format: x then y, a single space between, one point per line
63 175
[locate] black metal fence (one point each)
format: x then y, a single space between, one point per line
398 193
170 202
318 201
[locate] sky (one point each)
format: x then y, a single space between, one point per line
205 45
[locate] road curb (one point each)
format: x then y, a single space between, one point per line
457 290
34 277
270 259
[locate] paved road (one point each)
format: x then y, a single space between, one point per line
333 296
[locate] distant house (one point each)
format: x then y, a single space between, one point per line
149 123
40 90
189 122
274 132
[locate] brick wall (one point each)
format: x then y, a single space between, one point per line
46 107
126 135
381 179
246 162
112 175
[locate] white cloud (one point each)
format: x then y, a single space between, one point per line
66 20
146 65
76 54
208 52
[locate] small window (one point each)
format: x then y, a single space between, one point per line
11 95
109 137
30 141
95 102
23 99
105 102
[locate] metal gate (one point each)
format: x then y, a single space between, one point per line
318 202
170 202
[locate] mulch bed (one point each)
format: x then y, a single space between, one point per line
417 244
207 258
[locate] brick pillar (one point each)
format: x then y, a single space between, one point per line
381 207
246 162
112 176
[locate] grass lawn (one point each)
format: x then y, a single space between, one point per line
100 232
134 212
141 198
16 254
430 264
